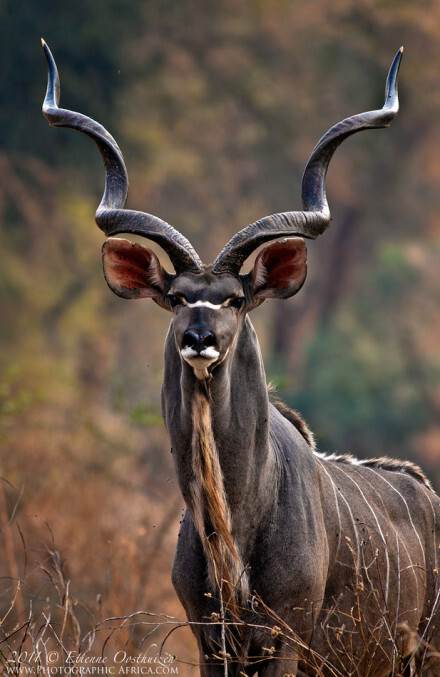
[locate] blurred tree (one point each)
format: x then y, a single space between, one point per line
216 107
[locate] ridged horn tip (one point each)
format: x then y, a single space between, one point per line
315 215
111 216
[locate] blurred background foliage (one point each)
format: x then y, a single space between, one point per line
217 107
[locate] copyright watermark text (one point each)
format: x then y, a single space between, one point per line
73 664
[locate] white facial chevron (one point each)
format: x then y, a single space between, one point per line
204 304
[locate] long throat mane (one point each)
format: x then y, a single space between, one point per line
211 512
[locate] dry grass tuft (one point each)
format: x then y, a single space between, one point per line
45 629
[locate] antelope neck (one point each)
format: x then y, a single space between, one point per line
239 414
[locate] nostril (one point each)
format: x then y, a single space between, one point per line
191 340
198 340
207 339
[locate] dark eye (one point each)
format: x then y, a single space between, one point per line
173 300
237 302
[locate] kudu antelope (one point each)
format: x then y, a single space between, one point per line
288 561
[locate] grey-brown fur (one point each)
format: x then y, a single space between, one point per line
292 416
287 562
370 527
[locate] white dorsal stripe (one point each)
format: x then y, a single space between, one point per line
204 304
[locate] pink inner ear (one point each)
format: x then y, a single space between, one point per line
280 267
132 269
129 270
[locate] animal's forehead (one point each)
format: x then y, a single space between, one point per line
206 287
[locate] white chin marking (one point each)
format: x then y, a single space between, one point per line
200 361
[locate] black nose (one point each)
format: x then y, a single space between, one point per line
198 340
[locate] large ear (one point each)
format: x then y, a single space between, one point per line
132 271
280 269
